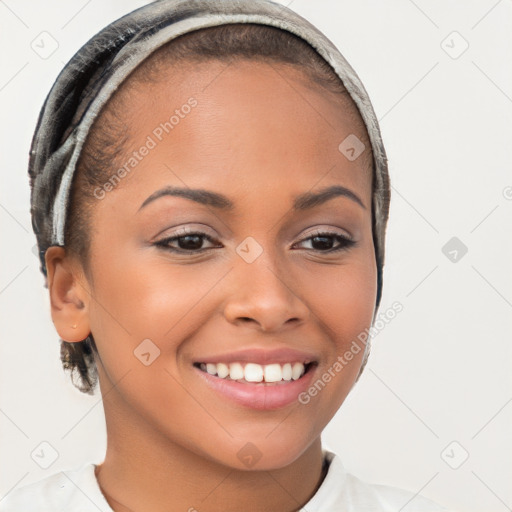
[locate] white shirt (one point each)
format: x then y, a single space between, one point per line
78 491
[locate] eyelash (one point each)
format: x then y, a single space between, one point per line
345 242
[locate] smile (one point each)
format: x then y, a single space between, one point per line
251 385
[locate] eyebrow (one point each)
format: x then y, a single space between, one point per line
301 202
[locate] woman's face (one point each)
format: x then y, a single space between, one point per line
254 287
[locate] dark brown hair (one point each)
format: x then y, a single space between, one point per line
108 136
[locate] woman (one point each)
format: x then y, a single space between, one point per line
210 195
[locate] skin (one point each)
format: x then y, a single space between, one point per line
260 134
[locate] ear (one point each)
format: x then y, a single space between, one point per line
69 295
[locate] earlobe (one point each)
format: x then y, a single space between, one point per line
68 296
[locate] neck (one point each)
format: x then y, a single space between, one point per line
145 471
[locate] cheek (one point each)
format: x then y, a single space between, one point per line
144 297
344 304
344 299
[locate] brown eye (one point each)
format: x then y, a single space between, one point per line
186 243
329 242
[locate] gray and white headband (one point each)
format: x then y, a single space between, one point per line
93 74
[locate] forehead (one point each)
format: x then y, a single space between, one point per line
244 122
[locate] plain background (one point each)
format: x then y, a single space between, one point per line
432 412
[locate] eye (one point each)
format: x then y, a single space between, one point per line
325 241
187 242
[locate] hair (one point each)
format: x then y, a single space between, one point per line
109 135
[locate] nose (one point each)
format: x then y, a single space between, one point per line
264 294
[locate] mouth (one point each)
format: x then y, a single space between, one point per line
256 379
255 373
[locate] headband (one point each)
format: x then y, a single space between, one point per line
93 74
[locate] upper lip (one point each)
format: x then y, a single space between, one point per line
261 356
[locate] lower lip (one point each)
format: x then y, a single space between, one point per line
259 395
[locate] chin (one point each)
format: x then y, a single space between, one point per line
262 453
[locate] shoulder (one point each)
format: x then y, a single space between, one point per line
342 491
71 491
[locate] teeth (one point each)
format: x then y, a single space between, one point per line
236 371
253 372
287 371
222 370
273 373
297 370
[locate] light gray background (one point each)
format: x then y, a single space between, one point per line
441 370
